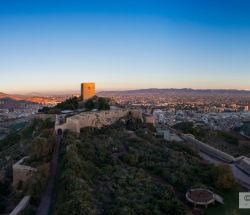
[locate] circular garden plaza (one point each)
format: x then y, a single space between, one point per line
200 197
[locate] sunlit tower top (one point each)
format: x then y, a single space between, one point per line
87 90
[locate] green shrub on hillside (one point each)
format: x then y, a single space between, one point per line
223 177
229 138
112 184
99 103
41 147
68 104
36 184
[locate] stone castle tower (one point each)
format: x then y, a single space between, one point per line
87 90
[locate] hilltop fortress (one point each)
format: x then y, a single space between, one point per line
92 119
95 119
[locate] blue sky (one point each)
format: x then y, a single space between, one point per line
124 44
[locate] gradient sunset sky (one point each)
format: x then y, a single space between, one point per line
48 45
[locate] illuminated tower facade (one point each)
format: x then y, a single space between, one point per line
87 90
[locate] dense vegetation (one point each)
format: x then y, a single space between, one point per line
36 140
41 137
229 138
245 128
188 128
97 103
75 103
111 171
107 171
69 104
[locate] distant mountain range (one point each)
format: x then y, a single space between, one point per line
9 102
35 97
12 96
174 90
31 98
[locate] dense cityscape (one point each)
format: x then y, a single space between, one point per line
219 109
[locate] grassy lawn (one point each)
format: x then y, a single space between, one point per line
231 206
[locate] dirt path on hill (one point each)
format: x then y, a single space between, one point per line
45 203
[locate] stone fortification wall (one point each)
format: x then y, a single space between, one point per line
21 206
244 164
171 136
137 114
96 119
209 149
21 172
241 162
150 119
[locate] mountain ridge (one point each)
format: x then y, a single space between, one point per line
177 90
11 96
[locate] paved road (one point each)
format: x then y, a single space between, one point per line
45 203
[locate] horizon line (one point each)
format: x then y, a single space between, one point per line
62 92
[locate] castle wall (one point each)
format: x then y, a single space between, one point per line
21 205
171 136
241 162
244 164
136 114
96 119
150 119
21 172
209 149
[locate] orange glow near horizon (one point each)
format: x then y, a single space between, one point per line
118 87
